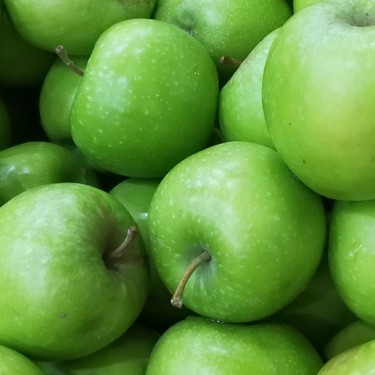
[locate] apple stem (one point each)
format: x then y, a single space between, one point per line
203 257
230 61
61 52
119 251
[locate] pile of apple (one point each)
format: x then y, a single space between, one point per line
187 187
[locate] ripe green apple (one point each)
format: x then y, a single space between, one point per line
225 28
351 243
199 346
12 362
255 231
31 164
354 334
136 195
74 275
129 354
318 95
359 360
147 99
76 25
319 311
56 98
241 114
299 4
21 63
5 127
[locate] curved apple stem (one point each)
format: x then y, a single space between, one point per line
227 60
119 251
203 257
61 52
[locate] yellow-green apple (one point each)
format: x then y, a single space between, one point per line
359 360
318 95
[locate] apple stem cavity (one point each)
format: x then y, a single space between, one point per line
203 257
119 251
61 52
227 60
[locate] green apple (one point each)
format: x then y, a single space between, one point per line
318 95
129 354
147 100
31 164
76 25
241 114
15 52
318 312
225 28
351 243
354 334
359 360
74 275
199 346
254 231
5 126
299 4
136 195
12 362
56 98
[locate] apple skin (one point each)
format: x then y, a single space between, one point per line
300 4
56 98
225 28
351 256
359 360
241 114
129 354
139 111
75 25
354 334
5 127
238 201
319 311
12 362
31 164
64 296
200 346
15 50
319 110
136 195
